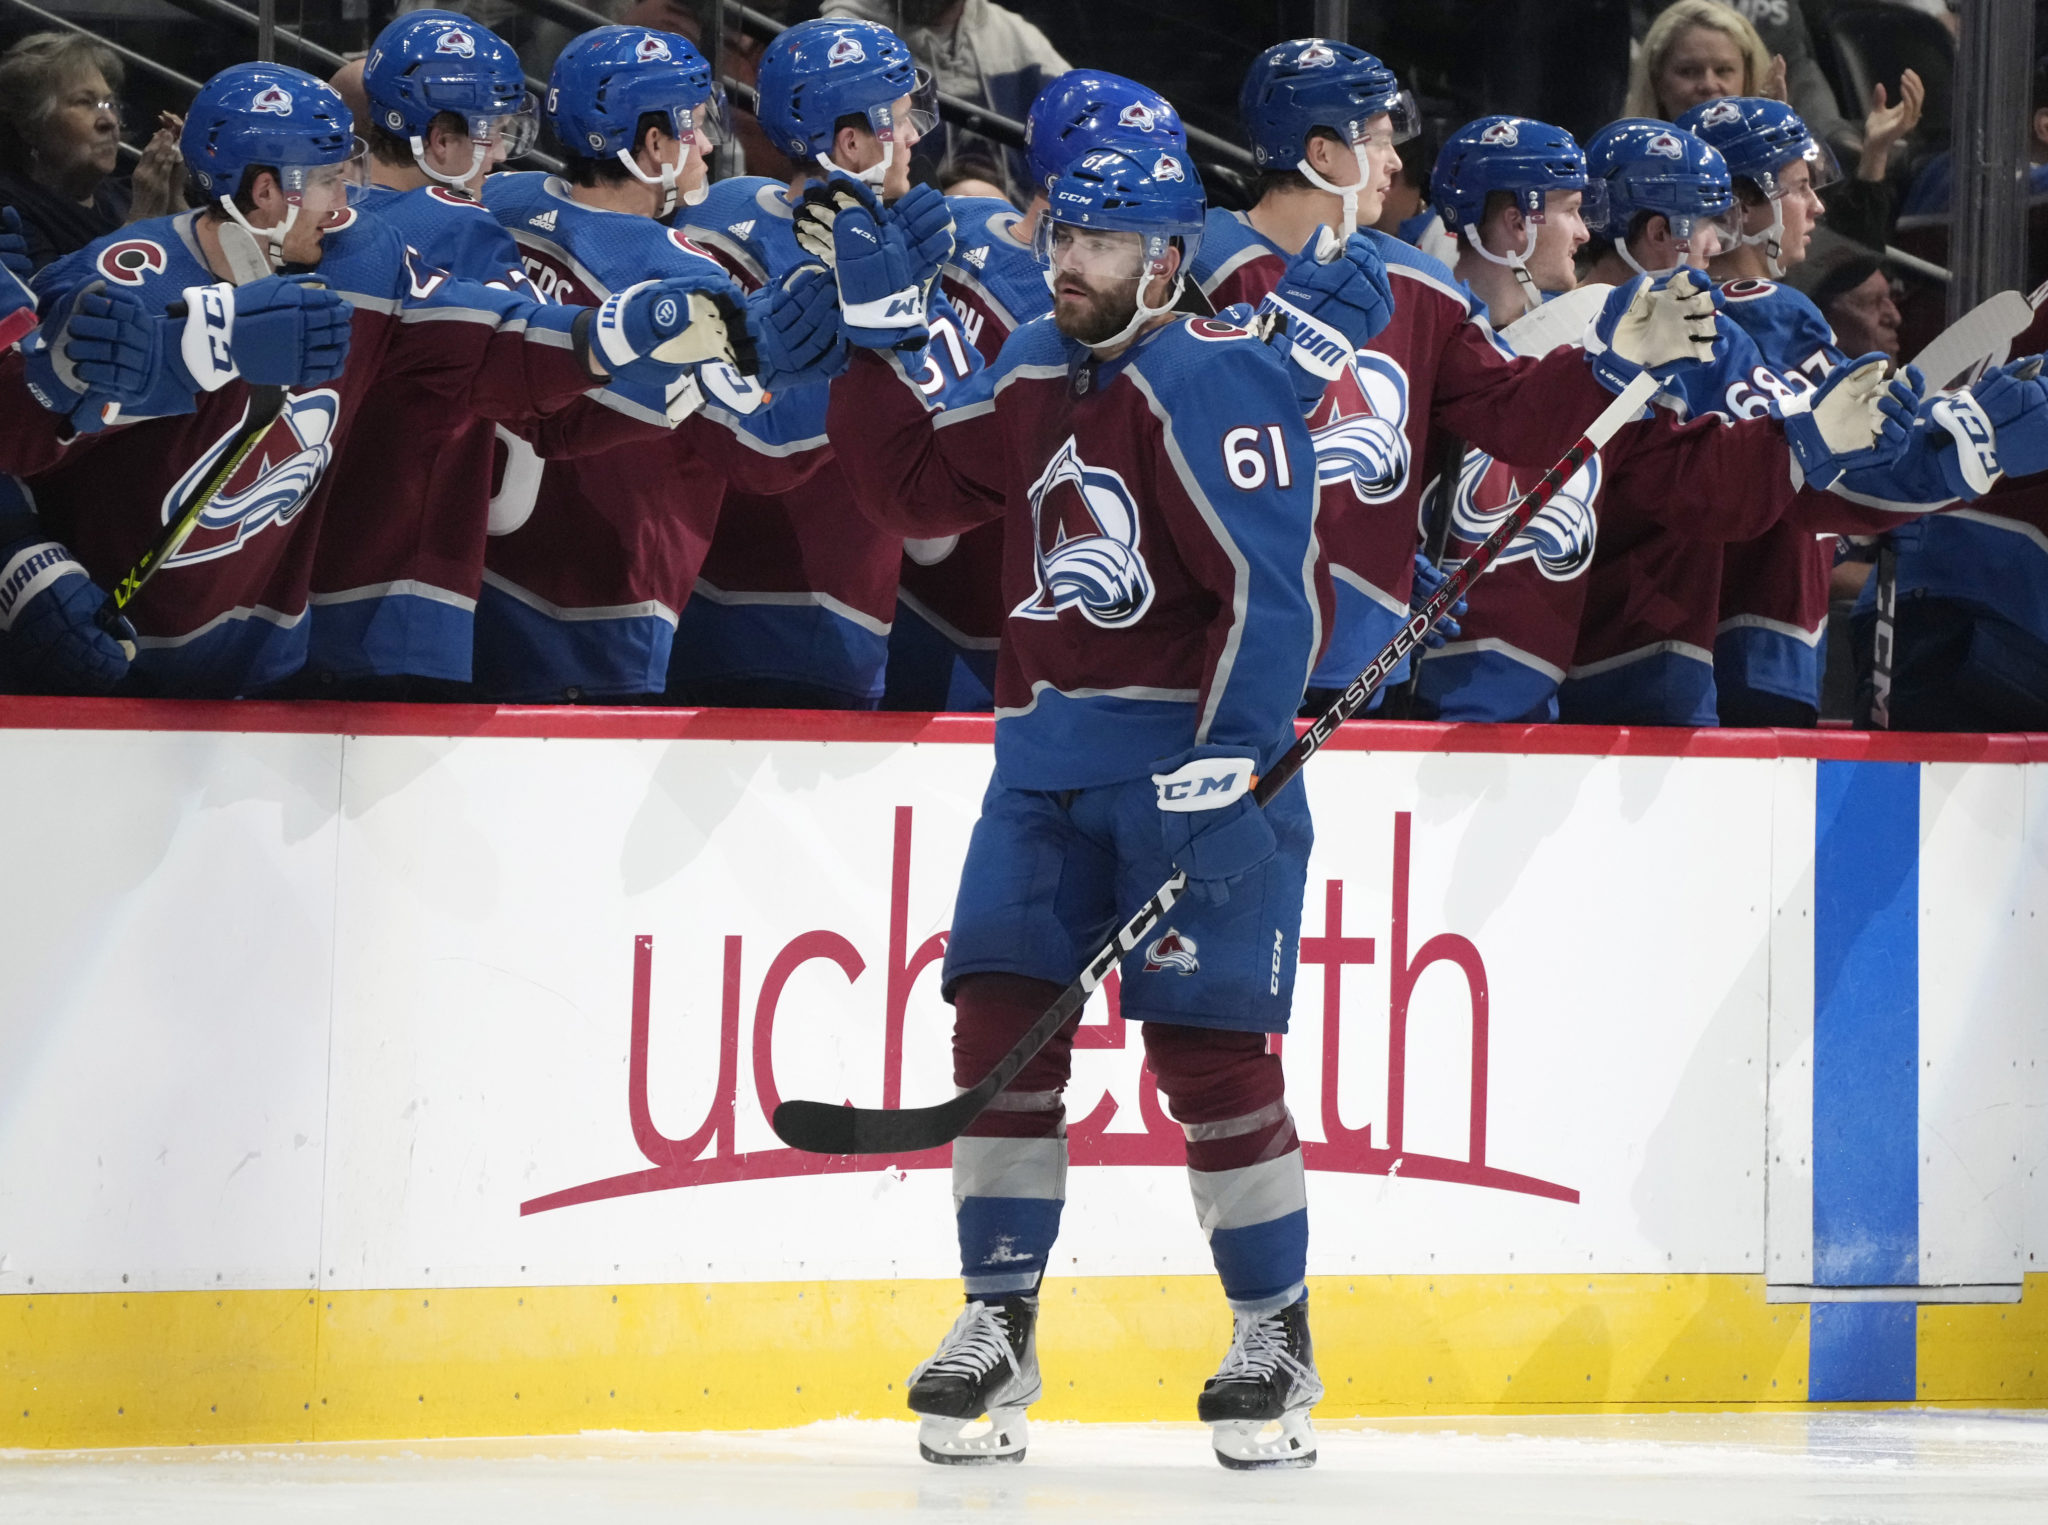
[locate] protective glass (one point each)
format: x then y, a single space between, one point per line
922 117
86 101
1102 254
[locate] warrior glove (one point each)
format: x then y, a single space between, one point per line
1332 299
650 332
50 638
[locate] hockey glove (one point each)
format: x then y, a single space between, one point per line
1658 326
1428 579
927 223
281 331
2015 398
798 320
649 332
104 352
1214 830
17 302
1858 419
1332 299
49 632
881 303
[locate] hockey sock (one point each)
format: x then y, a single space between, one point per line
1010 1167
1244 1160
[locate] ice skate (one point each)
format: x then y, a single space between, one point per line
971 1395
1257 1403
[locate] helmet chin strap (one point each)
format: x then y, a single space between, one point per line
269 242
665 182
479 153
873 175
1773 240
1621 248
1145 313
1350 193
1517 261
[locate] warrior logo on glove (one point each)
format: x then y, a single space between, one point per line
1086 524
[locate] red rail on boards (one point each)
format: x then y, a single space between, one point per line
635 723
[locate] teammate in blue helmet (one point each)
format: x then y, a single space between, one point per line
1120 232
631 104
825 79
275 150
1514 193
1326 115
1087 109
1669 201
448 102
1779 169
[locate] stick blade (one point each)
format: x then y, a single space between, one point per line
819 1128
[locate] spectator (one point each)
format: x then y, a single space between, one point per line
1795 75
60 139
977 50
1697 50
1853 290
1929 196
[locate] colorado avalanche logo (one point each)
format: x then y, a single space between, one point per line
651 50
1501 135
270 487
1093 562
274 99
847 50
1166 167
1316 55
1360 429
1720 114
1559 539
1665 145
1172 952
460 44
1138 117
131 261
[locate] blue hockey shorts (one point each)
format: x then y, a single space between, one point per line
1050 877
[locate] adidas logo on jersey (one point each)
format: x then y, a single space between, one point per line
742 229
978 258
545 221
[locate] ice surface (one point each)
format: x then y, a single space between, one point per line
1859 1468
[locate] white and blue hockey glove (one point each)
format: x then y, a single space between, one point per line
1428 579
103 352
1659 326
1859 419
1332 299
926 218
280 331
51 640
798 321
17 302
922 214
881 299
1213 829
2015 398
650 332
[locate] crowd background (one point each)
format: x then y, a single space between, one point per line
88 143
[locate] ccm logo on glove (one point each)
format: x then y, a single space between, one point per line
1207 783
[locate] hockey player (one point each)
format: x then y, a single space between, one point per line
591 557
798 594
949 610
1514 196
273 148
400 560
1153 474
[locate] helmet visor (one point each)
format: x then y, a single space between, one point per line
1103 254
922 115
709 121
516 130
1821 168
1403 121
328 188
1693 229
1592 203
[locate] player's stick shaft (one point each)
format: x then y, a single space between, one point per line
820 1128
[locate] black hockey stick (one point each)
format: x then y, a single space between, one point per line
821 1128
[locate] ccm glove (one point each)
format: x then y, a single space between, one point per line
1332 299
1428 579
1213 829
1859 418
649 332
2015 399
798 319
50 633
1659 326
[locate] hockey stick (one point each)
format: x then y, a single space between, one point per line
820 1128
1979 339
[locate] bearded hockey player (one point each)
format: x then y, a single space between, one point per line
274 150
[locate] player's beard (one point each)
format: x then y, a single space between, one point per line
1099 316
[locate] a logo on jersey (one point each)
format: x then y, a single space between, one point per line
270 487
742 229
1360 429
1501 135
1087 554
460 44
1665 145
1172 951
1138 116
1747 290
131 261
1316 55
1166 167
545 221
1215 330
1720 114
1559 539
650 49
274 99
978 258
847 50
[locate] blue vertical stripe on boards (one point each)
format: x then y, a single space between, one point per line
1863 1353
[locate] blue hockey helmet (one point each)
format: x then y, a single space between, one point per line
1652 166
268 116
1761 139
1526 159
1293 88
1154 193
1086 109
605 81
822 70
428 62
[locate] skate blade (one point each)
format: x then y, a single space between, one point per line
997 1439
1261 1445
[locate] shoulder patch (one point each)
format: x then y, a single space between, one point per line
682 241
1215 330
446 197
131 261
1747 290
